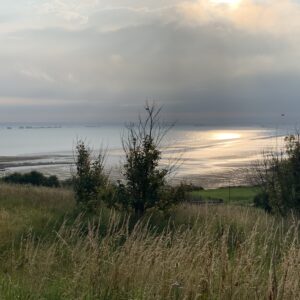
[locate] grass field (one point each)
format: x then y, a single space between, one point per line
237 195
202 252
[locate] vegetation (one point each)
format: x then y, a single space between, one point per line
145 181
51 250
25 209
262 200
219 252
33 178
243 195
89 181
278 176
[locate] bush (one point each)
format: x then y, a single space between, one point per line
261 200
191 187
90 181
33 178
278 176
145 184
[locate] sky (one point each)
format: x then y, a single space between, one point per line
206 61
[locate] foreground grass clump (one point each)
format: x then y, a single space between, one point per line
225 252
24 208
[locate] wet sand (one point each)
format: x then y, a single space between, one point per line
63 167
209 157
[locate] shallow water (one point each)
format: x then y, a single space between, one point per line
211 156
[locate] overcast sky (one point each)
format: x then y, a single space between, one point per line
206 61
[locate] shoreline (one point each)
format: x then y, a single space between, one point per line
61 166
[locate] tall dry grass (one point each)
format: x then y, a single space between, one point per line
24 208
202 253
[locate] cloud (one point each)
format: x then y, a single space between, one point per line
274 17
208 63
68 10
36 74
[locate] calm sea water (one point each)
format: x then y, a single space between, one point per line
210 156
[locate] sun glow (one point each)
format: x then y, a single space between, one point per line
232 3
221 136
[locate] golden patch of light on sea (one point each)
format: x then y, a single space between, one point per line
225 135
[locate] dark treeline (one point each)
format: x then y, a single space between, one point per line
33 178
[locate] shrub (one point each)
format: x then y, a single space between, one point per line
145 184
191 187
278 176
33 178
261 200
52 181
89 181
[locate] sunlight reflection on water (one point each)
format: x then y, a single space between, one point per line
209 156
225 135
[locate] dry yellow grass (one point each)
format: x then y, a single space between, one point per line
203 253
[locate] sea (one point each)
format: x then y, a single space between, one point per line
210 156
